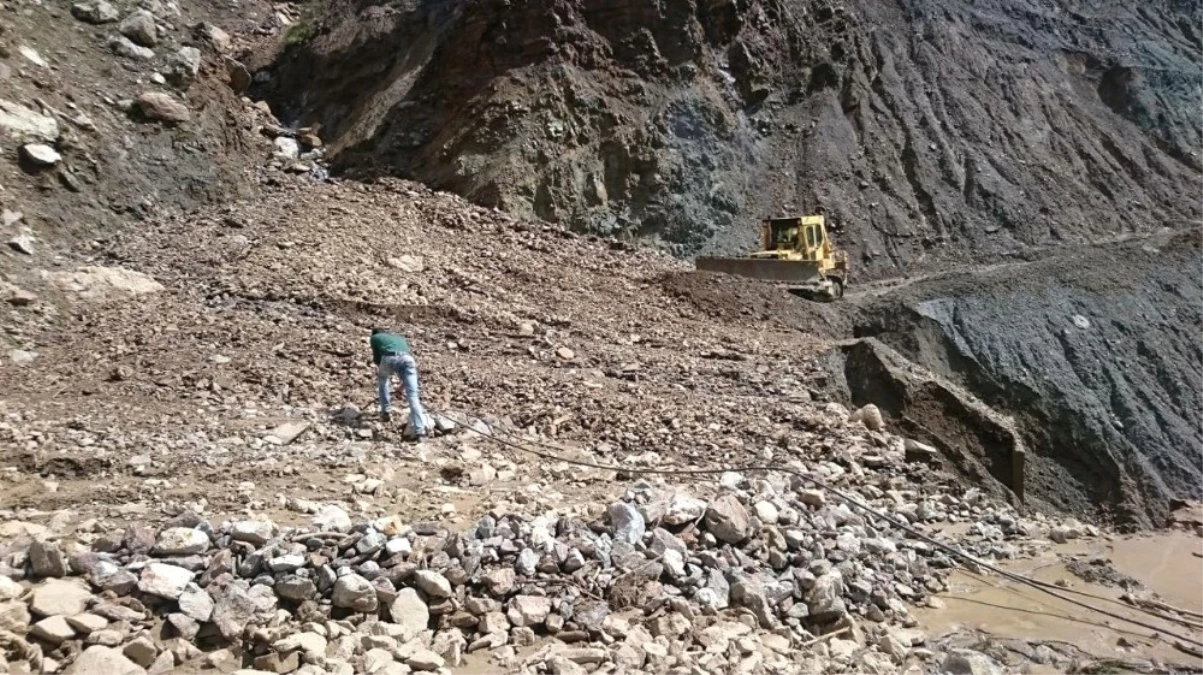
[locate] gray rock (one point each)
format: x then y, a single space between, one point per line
24 124
663 540
825 599
969 662
295 588
108 576
758 593
527 563
99 659
141 651
123 47
727 519
370 543
184 65
140 27
47 560
627 522
306 643
233 609
181 541
355 593
59 597
197 604
432 584
216 36
164 581
95 12
920 452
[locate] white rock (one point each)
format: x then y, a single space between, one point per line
32 56
528 610
424 659
332 518
97 659
9 589
59 597
255 532
165 581
286 148
25 123
410 613
101 283
766 512
181 541
433 584
41 154
54 630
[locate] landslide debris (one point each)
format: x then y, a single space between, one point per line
931 130
247 510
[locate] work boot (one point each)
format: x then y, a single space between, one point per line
386 417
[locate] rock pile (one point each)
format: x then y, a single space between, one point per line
661 581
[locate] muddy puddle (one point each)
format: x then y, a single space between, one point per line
1167 564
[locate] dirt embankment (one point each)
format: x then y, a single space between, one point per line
932 130
1095 356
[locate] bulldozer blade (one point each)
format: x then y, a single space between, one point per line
793 272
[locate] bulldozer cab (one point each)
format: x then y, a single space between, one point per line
804 236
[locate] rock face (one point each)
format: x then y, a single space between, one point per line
684 118
1138 415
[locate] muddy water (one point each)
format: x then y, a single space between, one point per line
1164 563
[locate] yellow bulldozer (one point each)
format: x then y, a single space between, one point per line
797 253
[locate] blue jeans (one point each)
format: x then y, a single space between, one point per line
404 366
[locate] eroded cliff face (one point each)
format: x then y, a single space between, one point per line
1095 356
931 130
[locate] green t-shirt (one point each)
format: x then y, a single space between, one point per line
387 343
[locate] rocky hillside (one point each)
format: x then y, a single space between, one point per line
932 130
